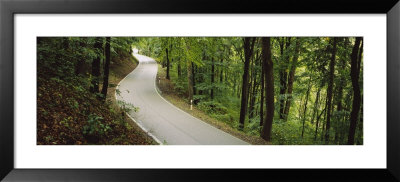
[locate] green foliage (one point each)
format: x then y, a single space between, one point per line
212 107
253 127
67 112
219 67
95 126
127 107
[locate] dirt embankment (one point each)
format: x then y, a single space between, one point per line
68 114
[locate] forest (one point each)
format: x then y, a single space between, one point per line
76 82
286 90
281 90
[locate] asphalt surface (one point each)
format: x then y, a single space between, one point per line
163 121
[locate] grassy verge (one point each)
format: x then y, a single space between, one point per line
167 91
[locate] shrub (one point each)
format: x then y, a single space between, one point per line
95 126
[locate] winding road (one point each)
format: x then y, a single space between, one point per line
163 121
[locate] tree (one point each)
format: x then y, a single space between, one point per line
248 46
291 79
166 52
339 89
262 92
96 65
106 68
81 60
330 89
354 73
227 79
212 78
269 88
284 44
190 79
254 85
305 107
192 54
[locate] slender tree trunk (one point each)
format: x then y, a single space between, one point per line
262 93
330 90
269 99
283 76
166 52
79 64
291 79
94 88
222 72
212 78
322 120
339 102
193 79
305 107
317 122
354 73
316 106
248 49
253 92
106 68
190 80
360 125
253 98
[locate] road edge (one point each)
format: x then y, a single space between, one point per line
157 91
137 123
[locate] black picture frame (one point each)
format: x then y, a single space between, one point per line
8 8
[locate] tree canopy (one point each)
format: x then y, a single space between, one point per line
309 89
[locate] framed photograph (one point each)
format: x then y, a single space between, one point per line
130 90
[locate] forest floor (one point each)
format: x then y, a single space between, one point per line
168 92
67 112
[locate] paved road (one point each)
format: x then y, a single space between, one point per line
162 120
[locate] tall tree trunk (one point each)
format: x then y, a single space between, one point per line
262 93
330 90
354 73
305 107
212 78
222 71
251 73
248 50
316 105
283 76
253 97
94 88
79 64
360 125
269 99
253 94
193 79
291 79
317 122
106 68
190 80
339 101
166 51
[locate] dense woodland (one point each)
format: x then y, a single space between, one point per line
76 79
287 90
